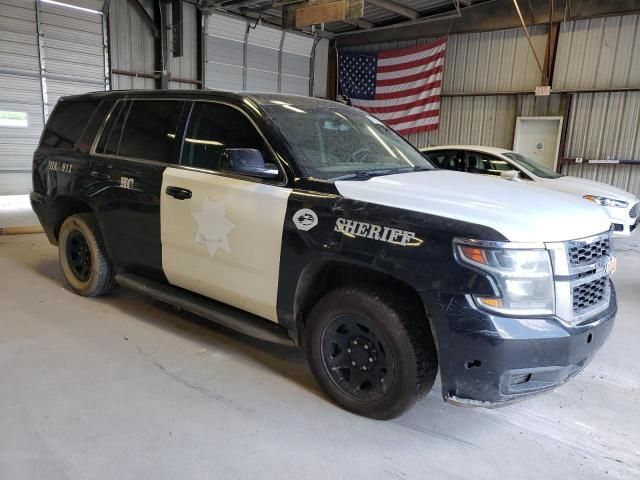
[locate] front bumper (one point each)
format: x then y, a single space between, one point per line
488 360
623 224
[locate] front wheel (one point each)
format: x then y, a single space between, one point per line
369 352
83 258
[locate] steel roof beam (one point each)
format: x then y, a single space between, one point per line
395 8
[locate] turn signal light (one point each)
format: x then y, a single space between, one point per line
474 254
490 301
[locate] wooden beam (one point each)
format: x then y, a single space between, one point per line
395 8
325 13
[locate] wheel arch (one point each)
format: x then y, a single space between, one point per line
320 277
63 207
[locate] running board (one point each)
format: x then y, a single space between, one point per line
217 312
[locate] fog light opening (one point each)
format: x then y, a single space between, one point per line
475 363
520 379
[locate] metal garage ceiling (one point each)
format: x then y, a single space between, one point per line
377 13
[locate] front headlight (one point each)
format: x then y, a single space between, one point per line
523 277
607 202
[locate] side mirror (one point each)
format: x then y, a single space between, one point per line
248 161
512 175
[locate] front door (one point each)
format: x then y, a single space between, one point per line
222 231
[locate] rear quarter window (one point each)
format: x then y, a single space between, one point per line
66 124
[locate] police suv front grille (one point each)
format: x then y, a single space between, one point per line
581 271
584 253
589 295
635 211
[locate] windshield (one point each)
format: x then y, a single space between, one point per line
342 142
531 165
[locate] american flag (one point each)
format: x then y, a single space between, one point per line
400 87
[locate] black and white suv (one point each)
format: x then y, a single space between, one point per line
302 221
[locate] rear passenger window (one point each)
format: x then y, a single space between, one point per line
94 125
214 127
110 137
66 124
150 130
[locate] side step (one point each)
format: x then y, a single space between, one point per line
217 312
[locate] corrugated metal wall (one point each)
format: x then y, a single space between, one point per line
604 126
132 46
185 67
598 53
69 46
498 61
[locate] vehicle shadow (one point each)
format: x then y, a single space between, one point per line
287 362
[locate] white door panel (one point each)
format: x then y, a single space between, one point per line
224 242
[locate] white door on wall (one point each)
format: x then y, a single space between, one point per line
539 139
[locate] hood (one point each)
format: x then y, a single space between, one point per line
520 212
582 187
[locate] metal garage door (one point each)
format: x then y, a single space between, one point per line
243 56
46 50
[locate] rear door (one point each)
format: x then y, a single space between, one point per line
136 145
221 237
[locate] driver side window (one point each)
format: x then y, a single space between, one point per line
214 128
483 163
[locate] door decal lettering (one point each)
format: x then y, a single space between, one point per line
213 226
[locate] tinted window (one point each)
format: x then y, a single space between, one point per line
478 162
110 137
447 159
214 127
67 123
94 125
150 130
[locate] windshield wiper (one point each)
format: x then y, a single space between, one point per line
380 172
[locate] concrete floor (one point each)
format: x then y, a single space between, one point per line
15 211
126 388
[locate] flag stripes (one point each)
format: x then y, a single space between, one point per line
400 87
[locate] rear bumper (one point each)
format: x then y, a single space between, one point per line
41 205
488 360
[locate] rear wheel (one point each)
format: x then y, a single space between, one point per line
369 351
83 258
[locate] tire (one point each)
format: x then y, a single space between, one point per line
83 258
356 328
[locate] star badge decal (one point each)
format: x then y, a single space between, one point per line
213 226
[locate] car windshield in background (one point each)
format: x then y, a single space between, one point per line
340 142
531 165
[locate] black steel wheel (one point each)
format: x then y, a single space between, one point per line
357 357
371 350
79 255
83 257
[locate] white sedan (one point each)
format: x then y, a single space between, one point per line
623 207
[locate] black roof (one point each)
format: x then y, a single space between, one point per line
257 97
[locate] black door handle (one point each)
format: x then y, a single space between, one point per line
179 193
100 176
